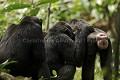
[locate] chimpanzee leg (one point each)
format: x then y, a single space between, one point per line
44 71
89 61
88 67
105 61
66 72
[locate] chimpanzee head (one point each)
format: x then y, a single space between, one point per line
78 25
33 19
63 27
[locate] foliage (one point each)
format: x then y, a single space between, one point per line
2 66
11 11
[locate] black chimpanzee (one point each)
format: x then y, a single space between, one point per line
24 43
60 50
96 42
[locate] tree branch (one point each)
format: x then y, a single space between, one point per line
48 16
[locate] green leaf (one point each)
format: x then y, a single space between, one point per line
54 72
14 7
108 2
47 1
2 69
8 63
34 11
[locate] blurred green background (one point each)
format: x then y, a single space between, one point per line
103 14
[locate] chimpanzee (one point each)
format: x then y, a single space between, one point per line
81 32
9 31
97 42
61 51
24 44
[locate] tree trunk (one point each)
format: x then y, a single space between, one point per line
116 35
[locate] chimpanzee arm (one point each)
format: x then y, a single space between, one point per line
89 59
106 60
81 44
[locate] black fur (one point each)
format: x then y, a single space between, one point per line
60 50
86 50
24 43
82 30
